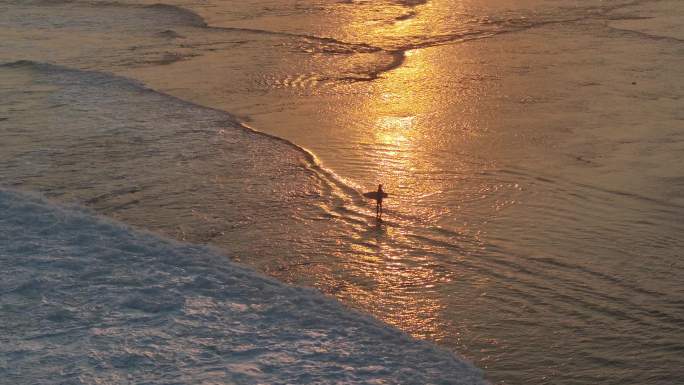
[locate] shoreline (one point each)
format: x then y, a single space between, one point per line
530 173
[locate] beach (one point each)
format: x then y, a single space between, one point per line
531 150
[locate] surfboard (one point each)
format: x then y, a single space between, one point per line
374 195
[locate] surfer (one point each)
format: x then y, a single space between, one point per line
378 199
378 196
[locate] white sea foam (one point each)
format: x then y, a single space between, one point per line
89 301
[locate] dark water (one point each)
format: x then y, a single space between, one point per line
532 150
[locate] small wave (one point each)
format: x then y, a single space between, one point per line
170 34
406 16
185 15
412 3
644 35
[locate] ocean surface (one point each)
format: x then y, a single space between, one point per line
533 152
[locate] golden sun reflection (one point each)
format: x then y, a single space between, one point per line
398 124
392 130
407 133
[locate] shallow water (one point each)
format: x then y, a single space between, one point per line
532 151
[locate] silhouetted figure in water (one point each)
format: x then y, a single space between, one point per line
378 196
378 199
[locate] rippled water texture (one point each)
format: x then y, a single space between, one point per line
532 151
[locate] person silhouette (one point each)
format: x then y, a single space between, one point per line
378 199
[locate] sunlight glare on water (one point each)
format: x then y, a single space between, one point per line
531 151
